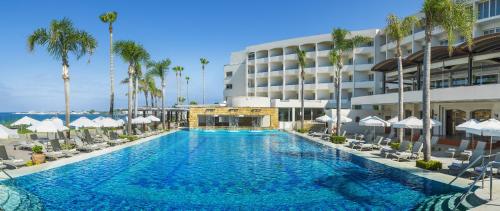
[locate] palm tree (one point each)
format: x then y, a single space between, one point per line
137 78
178 73
110 18
452 17
187 88
134 54
341 44
159 69
301 56
397 29
60 39
145 85
203 62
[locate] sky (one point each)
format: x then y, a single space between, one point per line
182 31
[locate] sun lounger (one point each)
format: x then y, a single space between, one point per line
32 141
9 160
460 165
139 133
112 141
54 154
463 146
56 146
403 147
370 146
414 154
87 138
495 166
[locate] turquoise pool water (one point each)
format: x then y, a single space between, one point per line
225 170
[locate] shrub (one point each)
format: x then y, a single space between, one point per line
23 131
37 149
394 146
338 139
130 138
30 163
67 146
430 165
300 130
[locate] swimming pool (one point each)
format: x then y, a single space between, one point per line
229 170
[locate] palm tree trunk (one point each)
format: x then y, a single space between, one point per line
203 82
130 99
400 92
163 103
339 101
136 98
302 98
111 75
187 92
65 76
426 100
146 99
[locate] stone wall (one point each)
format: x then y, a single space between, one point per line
230 111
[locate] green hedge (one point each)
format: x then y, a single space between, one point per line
338 139
394 145
302 130
430 165
130 138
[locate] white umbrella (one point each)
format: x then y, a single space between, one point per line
120 122
58 122
343 119
393 120
6 133
106 122
153 118
471 123
140 120
324 118
47 126
414 123
490 127
374 121
83 122
25 121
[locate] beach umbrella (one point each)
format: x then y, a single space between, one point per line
471 123
58 122
153 118
6 133
324 118
106 122
120 122
343 119
414 123
393 120
47 126
140 120
490 127
27 121
83 122
374 121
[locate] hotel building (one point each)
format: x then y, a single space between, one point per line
463 86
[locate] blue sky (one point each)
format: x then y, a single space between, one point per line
183 31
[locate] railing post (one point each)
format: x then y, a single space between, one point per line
491 181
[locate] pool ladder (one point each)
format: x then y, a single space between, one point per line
483 173
8 175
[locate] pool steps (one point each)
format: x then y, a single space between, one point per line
14 198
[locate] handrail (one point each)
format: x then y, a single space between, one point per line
8 175
469 190
465 169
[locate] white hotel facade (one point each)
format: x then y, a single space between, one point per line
465 85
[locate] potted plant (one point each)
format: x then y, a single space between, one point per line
37 157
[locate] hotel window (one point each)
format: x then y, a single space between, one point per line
229 74
229 86
486 79
443 42
251 56
370 77
370 92
459 82
488 9
349 78
481 114
375 107
370 60
356 107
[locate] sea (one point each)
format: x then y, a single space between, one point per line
7 118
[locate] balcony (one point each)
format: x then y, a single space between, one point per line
261 89
310 86
262 74
277 73
276 58
365 84
293 87
292 71
323 53
454 94
291 56
325 69
262 60
311 54
323 86
276 88
359 67
310 70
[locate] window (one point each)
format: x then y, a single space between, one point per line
370 60
486 79
375 107
229 74
229 86
489 31
370 92
357 119
443 42
356 107
483 10
459 82
350 78
251 56
370 77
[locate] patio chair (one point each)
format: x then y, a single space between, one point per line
56 146
139 133
414 154
460 165
320 132
461 148
403 147
32 141
376 144
55 153
93 141
9 161
112 141
495 166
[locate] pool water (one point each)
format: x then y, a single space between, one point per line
229 170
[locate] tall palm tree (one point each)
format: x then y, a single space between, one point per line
178 73
159 69
397 29
452 17
60 39
134 54
110 18
301 56
187 88
203 62
145 86
342 43
137 78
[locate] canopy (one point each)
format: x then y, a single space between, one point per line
83 122
25 121
393 120
374 121
153 118
120 122
414 123
490 127
343 119
140 120
58 122
47 126
471 123
324 118
6 133
106 122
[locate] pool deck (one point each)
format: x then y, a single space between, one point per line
79 157
411 168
